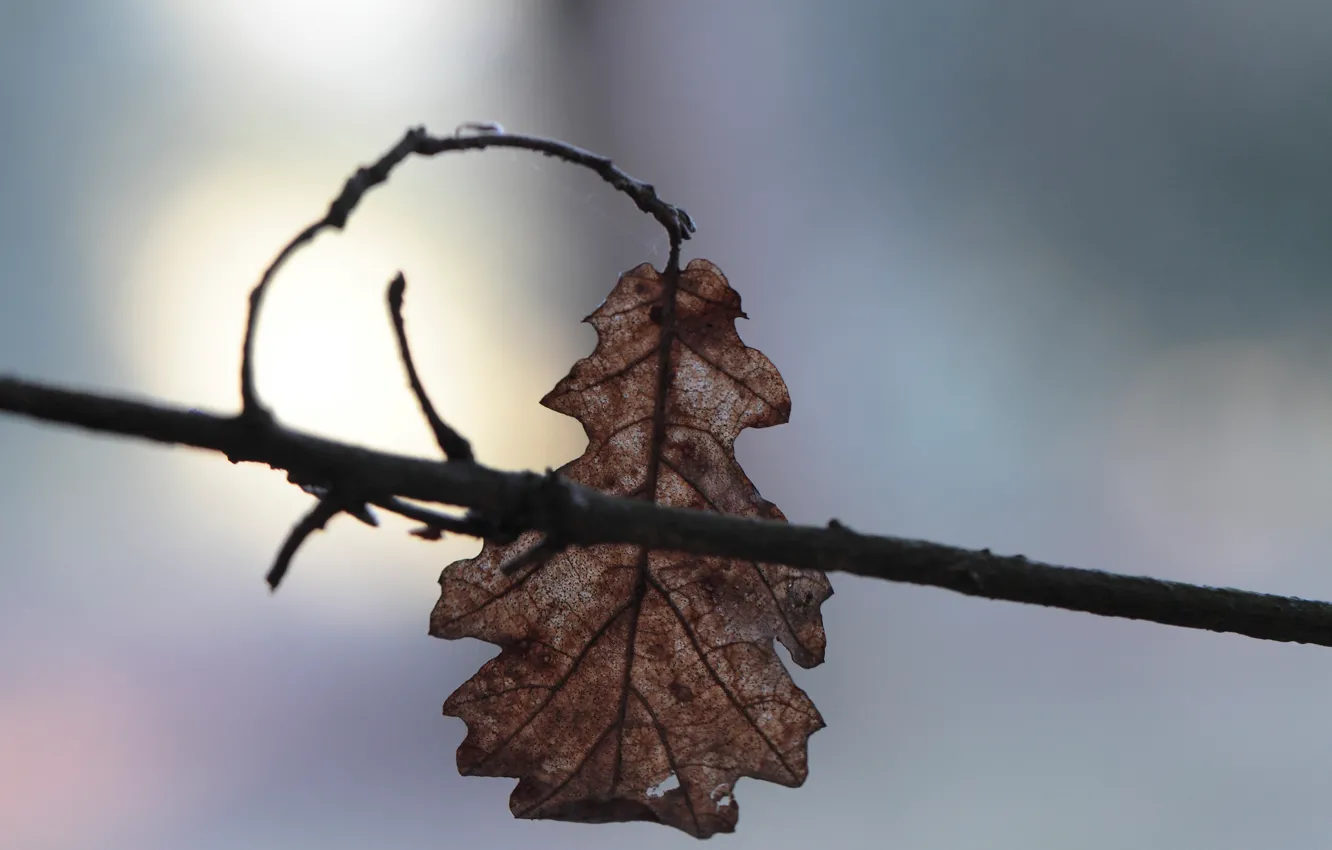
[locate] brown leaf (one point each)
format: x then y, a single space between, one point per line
636 685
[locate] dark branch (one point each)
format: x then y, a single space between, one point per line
676 221
435 522
324 510
576 515
453 444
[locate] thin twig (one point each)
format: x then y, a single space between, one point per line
580 516
451 443
435 522
324 510
675 220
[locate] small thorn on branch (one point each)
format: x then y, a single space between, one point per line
453 444
362 513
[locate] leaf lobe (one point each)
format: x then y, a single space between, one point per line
622 668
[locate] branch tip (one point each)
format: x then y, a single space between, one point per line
450 442
318 516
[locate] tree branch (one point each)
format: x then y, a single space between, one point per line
576 515
417 141
323 511
450 442
503 505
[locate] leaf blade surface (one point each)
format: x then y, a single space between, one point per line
637 685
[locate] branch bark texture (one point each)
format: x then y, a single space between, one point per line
502 505
576 515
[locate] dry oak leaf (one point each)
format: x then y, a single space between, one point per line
637 685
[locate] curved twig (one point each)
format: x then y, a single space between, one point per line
417 141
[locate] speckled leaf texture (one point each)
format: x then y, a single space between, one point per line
631 684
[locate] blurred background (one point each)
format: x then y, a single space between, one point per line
1047 278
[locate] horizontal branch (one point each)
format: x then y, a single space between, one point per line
577 515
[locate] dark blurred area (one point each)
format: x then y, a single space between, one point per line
1045 278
